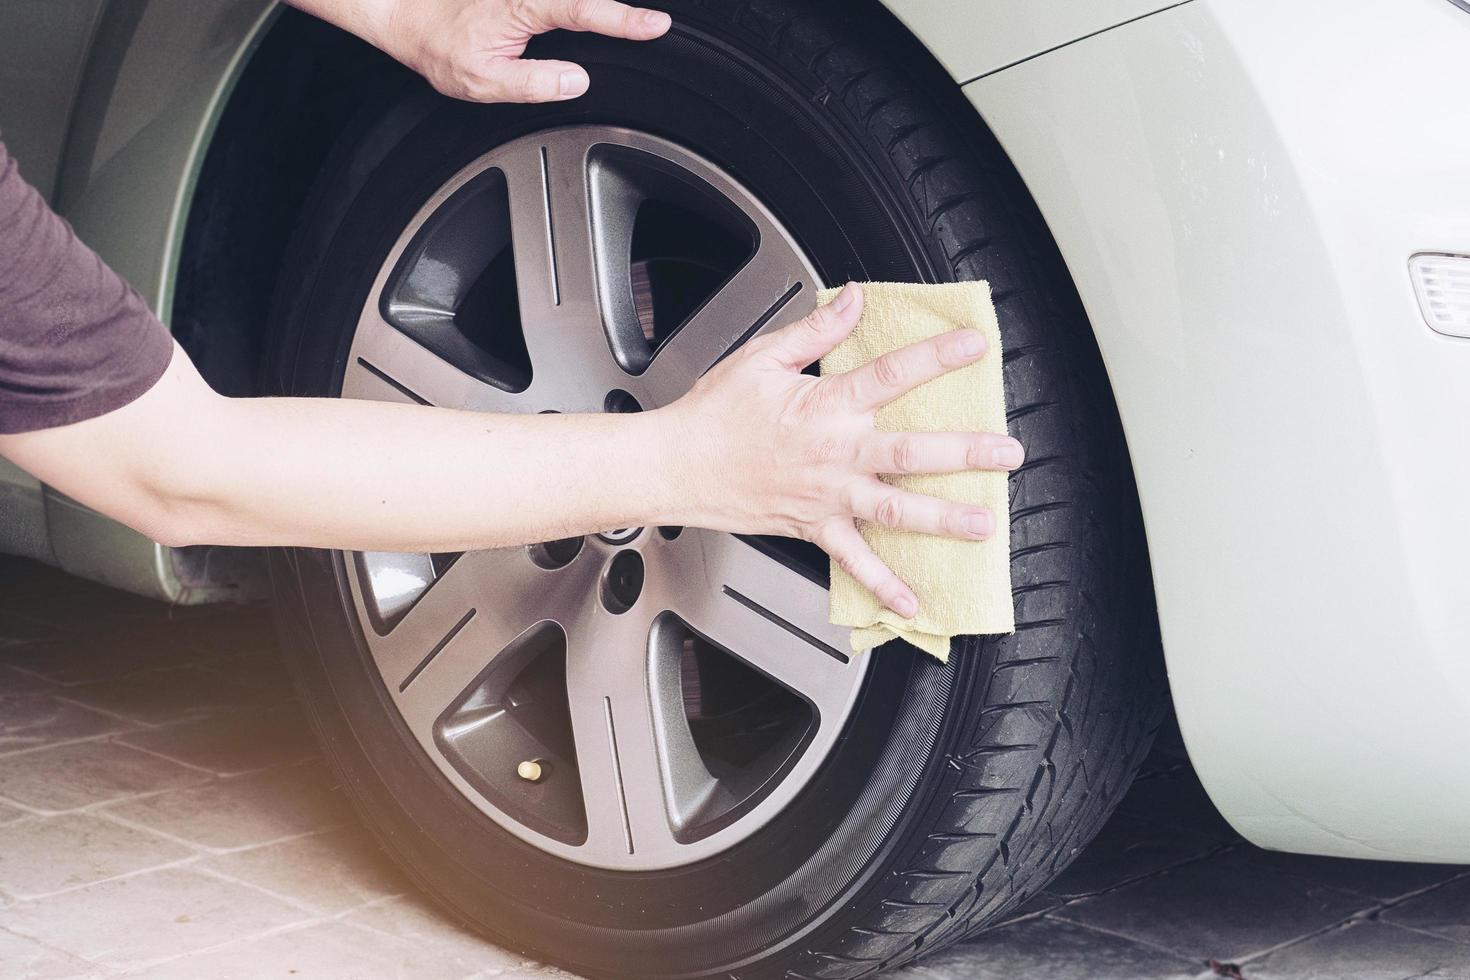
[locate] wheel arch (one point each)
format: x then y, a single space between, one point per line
302 85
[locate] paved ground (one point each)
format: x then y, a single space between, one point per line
163 813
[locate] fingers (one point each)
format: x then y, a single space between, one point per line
841 540
816 334
529 80
876 501
884 378
510 79
607 17
941 452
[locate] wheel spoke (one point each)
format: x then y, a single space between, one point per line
771 290
613 713
388 365
467 617
556 271
771 616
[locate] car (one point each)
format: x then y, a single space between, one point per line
1229 246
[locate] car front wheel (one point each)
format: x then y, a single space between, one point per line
645 752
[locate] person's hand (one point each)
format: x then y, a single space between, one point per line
781 452
471 49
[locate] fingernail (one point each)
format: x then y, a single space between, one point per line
844 298
906 606
972 343
980 524
1008 454
572 84
656 18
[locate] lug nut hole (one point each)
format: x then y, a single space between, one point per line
619 400
555 554
622 581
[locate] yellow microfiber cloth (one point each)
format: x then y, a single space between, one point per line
963 586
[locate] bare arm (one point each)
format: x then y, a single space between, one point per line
756 447
185 465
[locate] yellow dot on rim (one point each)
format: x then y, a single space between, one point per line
530 770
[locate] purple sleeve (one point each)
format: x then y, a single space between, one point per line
76 341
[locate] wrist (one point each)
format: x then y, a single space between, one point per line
681 464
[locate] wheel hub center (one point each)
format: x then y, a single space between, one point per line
621 535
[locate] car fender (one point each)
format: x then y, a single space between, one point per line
1238 212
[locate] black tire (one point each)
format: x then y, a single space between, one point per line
959 790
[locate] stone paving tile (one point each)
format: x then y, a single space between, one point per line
244 811
44 855
328 950
1176 799
330 872
101 651
233 742
165 696
14 680
20 628
413 919
1037 904
28 721
22 957
1363 951
127 922
240 631
84 773
1381 880
1044 949
261 671
1128 848
1226 907
231 631
1444 912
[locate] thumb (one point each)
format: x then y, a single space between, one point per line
528 80
819 332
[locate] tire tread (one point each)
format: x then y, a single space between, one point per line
1032 780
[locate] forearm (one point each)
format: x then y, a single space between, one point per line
187 466
389 477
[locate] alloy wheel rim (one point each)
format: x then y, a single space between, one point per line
615 668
